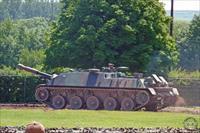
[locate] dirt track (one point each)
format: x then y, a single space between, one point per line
190 110
102 130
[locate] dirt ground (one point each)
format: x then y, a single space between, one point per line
190 110
102 130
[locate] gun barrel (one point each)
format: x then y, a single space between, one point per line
34 71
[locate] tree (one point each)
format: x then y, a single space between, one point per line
181 29
32 58
190 47
95 32
8 45
23 40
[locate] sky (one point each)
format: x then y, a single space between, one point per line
182 4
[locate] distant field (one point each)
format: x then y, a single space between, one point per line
186 15
85 118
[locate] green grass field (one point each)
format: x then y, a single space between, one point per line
85 118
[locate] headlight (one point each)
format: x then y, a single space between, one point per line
175 91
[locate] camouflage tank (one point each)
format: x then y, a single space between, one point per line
108 89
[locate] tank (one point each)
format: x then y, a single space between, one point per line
108 89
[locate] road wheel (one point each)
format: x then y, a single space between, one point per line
58 102
92 103
76 102
142 97
110 103
127 104
41 94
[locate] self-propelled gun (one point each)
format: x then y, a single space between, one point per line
108 89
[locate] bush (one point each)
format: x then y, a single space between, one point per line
5 71
178 73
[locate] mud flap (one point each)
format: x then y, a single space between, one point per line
175 91
152 91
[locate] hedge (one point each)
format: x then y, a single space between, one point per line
18 89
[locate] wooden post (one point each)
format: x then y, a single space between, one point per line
172 15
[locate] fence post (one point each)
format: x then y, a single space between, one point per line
25 89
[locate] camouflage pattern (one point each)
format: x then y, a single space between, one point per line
95 79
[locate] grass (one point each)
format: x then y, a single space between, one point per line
85 118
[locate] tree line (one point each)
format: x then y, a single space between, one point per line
23 41
23 9
92 33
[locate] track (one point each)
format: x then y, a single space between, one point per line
102 130
107 98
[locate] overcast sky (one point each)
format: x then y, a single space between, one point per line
183 4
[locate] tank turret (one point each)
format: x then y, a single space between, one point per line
34 71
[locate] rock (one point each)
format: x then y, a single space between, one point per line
35 127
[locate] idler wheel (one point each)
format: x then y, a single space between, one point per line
58 102
42 94
110 103
76 102
92 103
142 97
127 104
